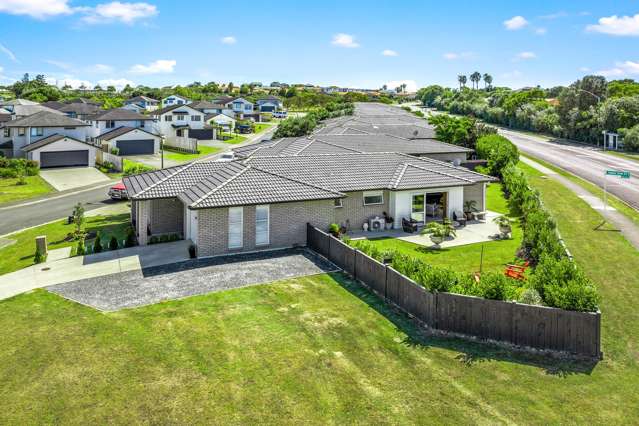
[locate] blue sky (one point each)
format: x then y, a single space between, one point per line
347 43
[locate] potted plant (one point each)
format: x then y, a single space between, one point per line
439 231
389 221
333 229
504 224
469 209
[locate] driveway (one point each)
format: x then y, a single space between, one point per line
189 278
73 177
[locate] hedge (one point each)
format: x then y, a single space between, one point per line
14 167
499 152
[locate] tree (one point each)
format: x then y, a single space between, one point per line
475 78
111 89
384 87
229 88
488 81
78 219
462 81
428 94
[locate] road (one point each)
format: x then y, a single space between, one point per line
584 161
32 213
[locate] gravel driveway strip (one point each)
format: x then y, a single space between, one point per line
190 278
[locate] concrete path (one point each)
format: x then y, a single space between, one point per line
190 278
95 265
73 177
626 226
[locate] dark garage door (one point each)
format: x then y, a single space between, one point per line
64 158
135 147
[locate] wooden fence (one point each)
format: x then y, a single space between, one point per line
102 157
182 144
529 326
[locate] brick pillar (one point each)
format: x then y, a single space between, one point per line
142 220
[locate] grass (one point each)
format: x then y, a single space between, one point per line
467 258
613 201
183 156
20 255
315 350
35 187
235 139
260 127
626 155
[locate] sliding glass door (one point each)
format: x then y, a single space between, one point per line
417 212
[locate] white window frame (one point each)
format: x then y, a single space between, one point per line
241 225
338 203
268 226
373 194
36 131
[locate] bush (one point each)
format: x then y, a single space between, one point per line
18 167
499 152
39 257
136 168
530 296
130 238
81 247
174 237
113 243
164 238
97 244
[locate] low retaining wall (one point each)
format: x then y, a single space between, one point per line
537 327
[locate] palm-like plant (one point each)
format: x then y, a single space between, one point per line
475 78
462 80
488 81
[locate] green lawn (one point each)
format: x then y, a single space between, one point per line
627 155
315 350
235 139
182 156
35 186
20 254
468 257
260 127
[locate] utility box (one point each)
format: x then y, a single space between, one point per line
41 244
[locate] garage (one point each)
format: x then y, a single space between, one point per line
64 158
135 146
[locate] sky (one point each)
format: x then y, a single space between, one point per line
354 43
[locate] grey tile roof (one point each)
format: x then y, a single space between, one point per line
46 119
119 114
171 108
199 105
49 139
80 108
122 130
27 110
18 102
139 99
408 131
53 104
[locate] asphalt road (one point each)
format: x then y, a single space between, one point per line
584 161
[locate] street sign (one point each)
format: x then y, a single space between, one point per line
623 174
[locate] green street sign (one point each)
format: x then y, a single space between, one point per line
623 174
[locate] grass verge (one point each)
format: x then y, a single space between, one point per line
183 156
10 191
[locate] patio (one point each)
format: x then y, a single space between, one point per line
474 232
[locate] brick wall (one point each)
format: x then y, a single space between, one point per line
287 226
356 213
166 216
475 192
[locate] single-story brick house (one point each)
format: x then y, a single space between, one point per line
265 202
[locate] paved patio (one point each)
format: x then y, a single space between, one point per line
473 232
189 278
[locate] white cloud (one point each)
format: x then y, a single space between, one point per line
389 52
100 68
525 55
553 16
511 74
62 65
4 49
117 83
39 9
228 40
161 66
584 69
344 40
451 56
541 31
515 23
617 25
116 11
621 69
411 85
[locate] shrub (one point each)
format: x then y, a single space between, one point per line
136 168
154 239
499 152
97 244
164 238
81 247
333 229
174 237
530 296
113 243
130 238
39 257
115 150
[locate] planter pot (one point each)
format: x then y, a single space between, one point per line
389 225
436 240
505 230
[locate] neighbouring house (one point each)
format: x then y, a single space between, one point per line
83 101
358 143
20 108
22 133
242 108
265 203
130 141
269 104
182 121
227 122
174 100
53 104
80 110
210 108
105 121
141 104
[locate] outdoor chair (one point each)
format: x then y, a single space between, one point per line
480 216
409 226
460 217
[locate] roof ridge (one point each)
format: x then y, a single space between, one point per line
186 167
432 160
439 173
395 181
340 146
297 180
226 182
310 141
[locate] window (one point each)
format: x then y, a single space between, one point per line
180 102
262 225
195 118
36 131
376 197
180 117
7 132
338 202
236 223
21 131
248 107
168 118
69 128
109 124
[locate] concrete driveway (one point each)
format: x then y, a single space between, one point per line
192 277
73 177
